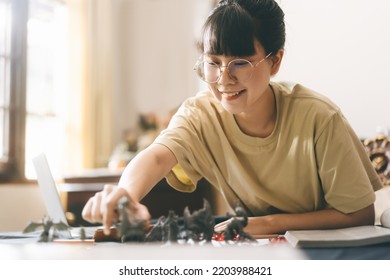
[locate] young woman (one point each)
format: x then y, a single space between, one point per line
286 154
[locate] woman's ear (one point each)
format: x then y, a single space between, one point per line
276 61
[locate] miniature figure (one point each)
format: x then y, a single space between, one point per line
200 224
131 228
50 229
235 229
170 227
83 234
156 233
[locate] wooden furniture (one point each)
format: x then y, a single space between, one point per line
77 189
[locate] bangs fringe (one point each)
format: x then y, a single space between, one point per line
229 32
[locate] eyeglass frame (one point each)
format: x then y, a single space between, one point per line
227 67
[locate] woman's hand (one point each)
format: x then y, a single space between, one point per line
256 226
102 207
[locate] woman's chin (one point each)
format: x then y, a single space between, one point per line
231 109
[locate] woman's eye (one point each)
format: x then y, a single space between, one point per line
214 62
211 64
240 63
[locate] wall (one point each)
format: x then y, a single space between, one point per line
156 55
341 49
20 204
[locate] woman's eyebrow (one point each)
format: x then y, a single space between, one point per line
220 57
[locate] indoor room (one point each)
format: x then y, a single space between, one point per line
92 83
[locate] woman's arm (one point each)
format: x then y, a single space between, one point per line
138 178
322 219
146 170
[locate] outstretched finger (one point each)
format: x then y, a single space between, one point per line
110 206
86 213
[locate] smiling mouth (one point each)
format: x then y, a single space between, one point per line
232 94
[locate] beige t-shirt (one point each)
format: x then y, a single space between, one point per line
311 161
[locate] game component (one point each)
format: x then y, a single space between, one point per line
200 224
156 232
50 229
170 227
235 228
113 236
131 228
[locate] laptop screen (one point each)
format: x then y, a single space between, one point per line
49 189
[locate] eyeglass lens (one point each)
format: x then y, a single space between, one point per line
239 70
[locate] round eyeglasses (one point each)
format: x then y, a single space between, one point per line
240 70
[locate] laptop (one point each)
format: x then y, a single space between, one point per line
52 199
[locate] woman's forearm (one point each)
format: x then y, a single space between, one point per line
146 170
323 219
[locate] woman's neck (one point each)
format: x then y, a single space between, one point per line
261 121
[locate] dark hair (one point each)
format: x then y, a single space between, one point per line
233 25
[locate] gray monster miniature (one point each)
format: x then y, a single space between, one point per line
200 224
50 229
235 229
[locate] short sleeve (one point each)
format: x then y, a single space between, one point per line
345 178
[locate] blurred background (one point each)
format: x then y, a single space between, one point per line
91 82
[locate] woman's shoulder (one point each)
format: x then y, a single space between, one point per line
301 96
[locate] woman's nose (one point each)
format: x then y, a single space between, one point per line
224 76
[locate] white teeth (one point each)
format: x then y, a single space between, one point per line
231 94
